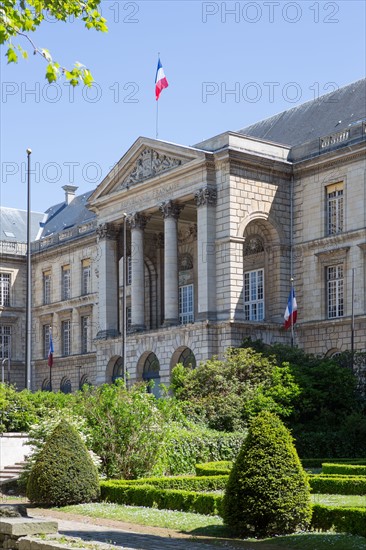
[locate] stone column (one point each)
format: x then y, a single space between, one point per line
206 254
170 213
137 223
108 281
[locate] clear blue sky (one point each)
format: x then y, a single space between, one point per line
272 55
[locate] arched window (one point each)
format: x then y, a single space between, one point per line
118 370
46 385
65 385
152 372
84 381
187 359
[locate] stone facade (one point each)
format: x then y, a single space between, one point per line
212 235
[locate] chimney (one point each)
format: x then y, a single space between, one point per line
69 193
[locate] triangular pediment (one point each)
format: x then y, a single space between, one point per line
150 163
145 160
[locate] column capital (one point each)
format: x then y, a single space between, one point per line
206 196
106 231
170 209
137 220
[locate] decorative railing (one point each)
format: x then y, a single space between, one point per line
334 139
8 247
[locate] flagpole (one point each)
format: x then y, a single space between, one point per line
291 258
353 319
49 363
28 324
157 111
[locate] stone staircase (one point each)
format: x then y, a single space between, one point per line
10 473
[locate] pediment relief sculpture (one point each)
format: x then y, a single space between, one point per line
149 164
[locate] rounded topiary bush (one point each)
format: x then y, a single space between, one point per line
268 491
64 472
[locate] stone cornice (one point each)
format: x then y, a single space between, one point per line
331 242
330 159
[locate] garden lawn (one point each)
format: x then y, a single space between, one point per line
212 526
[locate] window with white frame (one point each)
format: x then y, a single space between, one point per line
186 311
129 271
254 295
47 287
86 277
334 208
4 289
46 340
5 341
66 337
85 334
335 291
66 282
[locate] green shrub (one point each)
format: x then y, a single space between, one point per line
184 483
151 497
342 520
64 472
183 448
268 490
317 462
344 469
338 485
219 468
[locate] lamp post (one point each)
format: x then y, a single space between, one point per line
28 346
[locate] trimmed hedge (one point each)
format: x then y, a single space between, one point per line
338 485
185 483
214 468
167 499
342 520
317 462
344 469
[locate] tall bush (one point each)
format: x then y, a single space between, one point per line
268 491
63 472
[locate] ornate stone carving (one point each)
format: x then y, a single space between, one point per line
206 196
149 164
137 220
253 245
159 240
187 234
185 261
171 209
106 231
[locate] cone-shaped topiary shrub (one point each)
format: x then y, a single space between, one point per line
63 472
268 491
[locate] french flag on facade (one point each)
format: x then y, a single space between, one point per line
160 80
50 352
291 310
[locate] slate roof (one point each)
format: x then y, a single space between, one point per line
62 216
13 224
323 116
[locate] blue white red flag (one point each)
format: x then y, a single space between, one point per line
160 80
50 352
291 310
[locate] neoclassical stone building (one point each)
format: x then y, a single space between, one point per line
214 233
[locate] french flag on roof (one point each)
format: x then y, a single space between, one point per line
291 310
160 80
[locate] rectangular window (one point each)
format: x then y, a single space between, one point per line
5 341
46 340
66 337
335 297
85 334
4 289
254 295
129 271
334 208
66 282
186 304
129 317
86 277
47 287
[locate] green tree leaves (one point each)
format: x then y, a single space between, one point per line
18 19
